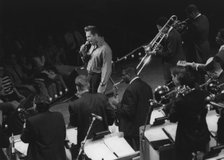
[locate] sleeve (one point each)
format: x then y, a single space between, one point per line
128 105
174 111
73 119
171 46
110 112
4 139
28 133
106 68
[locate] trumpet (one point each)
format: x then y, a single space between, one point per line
153 46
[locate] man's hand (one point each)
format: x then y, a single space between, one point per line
101 88
114 101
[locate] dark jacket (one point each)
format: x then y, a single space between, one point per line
80 114
192 131
134 107
173 50
45 133
196 40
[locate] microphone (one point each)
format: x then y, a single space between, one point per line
97 117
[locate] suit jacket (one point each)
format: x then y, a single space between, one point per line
134 107
192 132
80 114
45 133
173 50
196 39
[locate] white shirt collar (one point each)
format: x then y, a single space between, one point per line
133 79
197 16
221 47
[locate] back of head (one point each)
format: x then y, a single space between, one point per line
131 71
82 82
93 29
191 8
42 103
185 75
161 21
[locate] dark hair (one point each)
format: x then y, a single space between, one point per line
93 29
221 31
161 21
130 71
82 82
191 8
42 103
185 75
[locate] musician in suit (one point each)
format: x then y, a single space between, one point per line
189 110
80 110
45 133
133 109
196 43
172 50
98 56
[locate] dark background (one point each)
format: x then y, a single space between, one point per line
126 23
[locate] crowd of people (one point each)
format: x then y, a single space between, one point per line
45 131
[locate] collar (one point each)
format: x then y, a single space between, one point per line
218 73
221 47
133 79
81 93
100 43
199 14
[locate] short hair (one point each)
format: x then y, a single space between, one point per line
130 70
93 29
191 8
82 82
221 31
42 103
185 75
161 21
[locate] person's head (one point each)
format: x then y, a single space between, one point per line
161 22
41 103
82 83
220 59
183 76
220 37
213 67
191 11
128 74
93 34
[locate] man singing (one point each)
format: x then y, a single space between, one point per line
98 56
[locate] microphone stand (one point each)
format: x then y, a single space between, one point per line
84 141
146 122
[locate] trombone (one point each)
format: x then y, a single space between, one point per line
152 47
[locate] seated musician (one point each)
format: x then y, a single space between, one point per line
189 110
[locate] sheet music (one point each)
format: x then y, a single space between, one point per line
21 147
171 129
119 146
97 150
212 119
72 135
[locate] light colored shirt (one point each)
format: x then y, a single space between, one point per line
101 61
